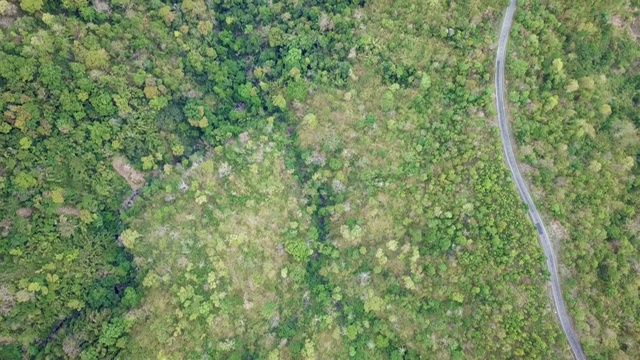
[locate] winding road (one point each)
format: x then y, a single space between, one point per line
510 158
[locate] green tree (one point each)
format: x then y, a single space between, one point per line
31 6
129 237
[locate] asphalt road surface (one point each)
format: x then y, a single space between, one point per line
558 302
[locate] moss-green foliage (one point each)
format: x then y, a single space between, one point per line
583 157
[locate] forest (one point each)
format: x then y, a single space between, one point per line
229 179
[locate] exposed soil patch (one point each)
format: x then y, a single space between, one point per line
24 212
66 210
558 231
633 27
134 178
617 21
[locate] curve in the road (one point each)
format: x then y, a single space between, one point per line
556 291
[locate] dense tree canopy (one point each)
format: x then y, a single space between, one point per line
313 179
85 84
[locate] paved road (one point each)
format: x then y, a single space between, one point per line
507 146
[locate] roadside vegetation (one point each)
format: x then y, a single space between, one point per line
573 85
